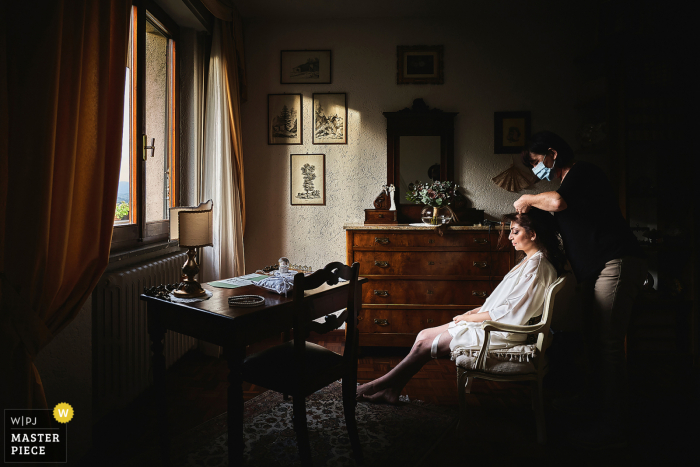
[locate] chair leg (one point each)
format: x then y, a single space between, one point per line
299 414
464 385
349 405
538 406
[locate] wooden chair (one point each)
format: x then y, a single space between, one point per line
300 368
492 369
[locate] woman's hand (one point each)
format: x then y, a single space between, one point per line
522 204
463 317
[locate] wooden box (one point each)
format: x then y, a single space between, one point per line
381 216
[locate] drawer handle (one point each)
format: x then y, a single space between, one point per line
381 293
382 240
431 263
480 264
429 320
479 294
381 322
382 264
481 240
431 240
380 215
430 292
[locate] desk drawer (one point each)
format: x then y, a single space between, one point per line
410 292
402 321
478 241
418 263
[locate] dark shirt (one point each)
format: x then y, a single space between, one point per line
592 227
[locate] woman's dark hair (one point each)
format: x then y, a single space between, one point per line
541 142
547 239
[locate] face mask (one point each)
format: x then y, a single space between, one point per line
544 173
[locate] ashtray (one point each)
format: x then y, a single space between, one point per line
246 300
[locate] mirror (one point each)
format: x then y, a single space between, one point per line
417 139
419 155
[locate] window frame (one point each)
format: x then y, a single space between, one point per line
138 232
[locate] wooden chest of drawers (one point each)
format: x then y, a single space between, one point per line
419 278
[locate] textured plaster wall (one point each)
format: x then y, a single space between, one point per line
492 63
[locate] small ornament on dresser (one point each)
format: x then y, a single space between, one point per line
382 200
392 189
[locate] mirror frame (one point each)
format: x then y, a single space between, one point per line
417 121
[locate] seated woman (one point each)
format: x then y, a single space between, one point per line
518 298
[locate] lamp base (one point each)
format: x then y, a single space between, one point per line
189 289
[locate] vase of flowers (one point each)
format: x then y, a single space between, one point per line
436 195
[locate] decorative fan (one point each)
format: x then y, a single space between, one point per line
514 179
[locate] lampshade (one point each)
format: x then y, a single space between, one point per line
175 218
196 228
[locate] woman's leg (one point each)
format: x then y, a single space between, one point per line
388 387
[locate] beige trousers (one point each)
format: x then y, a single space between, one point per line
607 306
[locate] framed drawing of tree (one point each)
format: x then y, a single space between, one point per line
284 119
307 179
330 119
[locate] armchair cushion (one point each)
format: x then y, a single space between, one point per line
496 366
520 353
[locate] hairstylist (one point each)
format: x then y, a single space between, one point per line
608 264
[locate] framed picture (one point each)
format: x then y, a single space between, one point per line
284 119
419 64
330 118
510 131
308 179
305 67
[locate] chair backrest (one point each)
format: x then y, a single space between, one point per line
543 337
330 275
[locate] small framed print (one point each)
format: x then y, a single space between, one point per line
330 118
419 64
284 119
305 67
510 132
308 179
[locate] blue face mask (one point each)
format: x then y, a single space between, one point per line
543 172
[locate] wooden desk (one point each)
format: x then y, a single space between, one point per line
232 328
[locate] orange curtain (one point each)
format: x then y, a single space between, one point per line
62 95
236 85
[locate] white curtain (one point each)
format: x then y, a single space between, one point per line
218 183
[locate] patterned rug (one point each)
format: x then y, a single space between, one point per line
390 435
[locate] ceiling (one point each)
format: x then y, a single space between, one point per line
309 9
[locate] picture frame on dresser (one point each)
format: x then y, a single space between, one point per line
307 179
285 122
511 130
305 67
330 118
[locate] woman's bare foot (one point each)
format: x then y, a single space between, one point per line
388 396
366 389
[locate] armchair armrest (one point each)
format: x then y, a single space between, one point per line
489 326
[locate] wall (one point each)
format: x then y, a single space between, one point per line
518 61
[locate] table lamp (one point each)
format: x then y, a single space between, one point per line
192 228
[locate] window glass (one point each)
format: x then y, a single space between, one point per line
157 123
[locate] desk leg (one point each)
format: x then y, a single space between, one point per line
157 334
236 444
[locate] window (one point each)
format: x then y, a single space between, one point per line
148 174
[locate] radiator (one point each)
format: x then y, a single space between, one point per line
121 352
